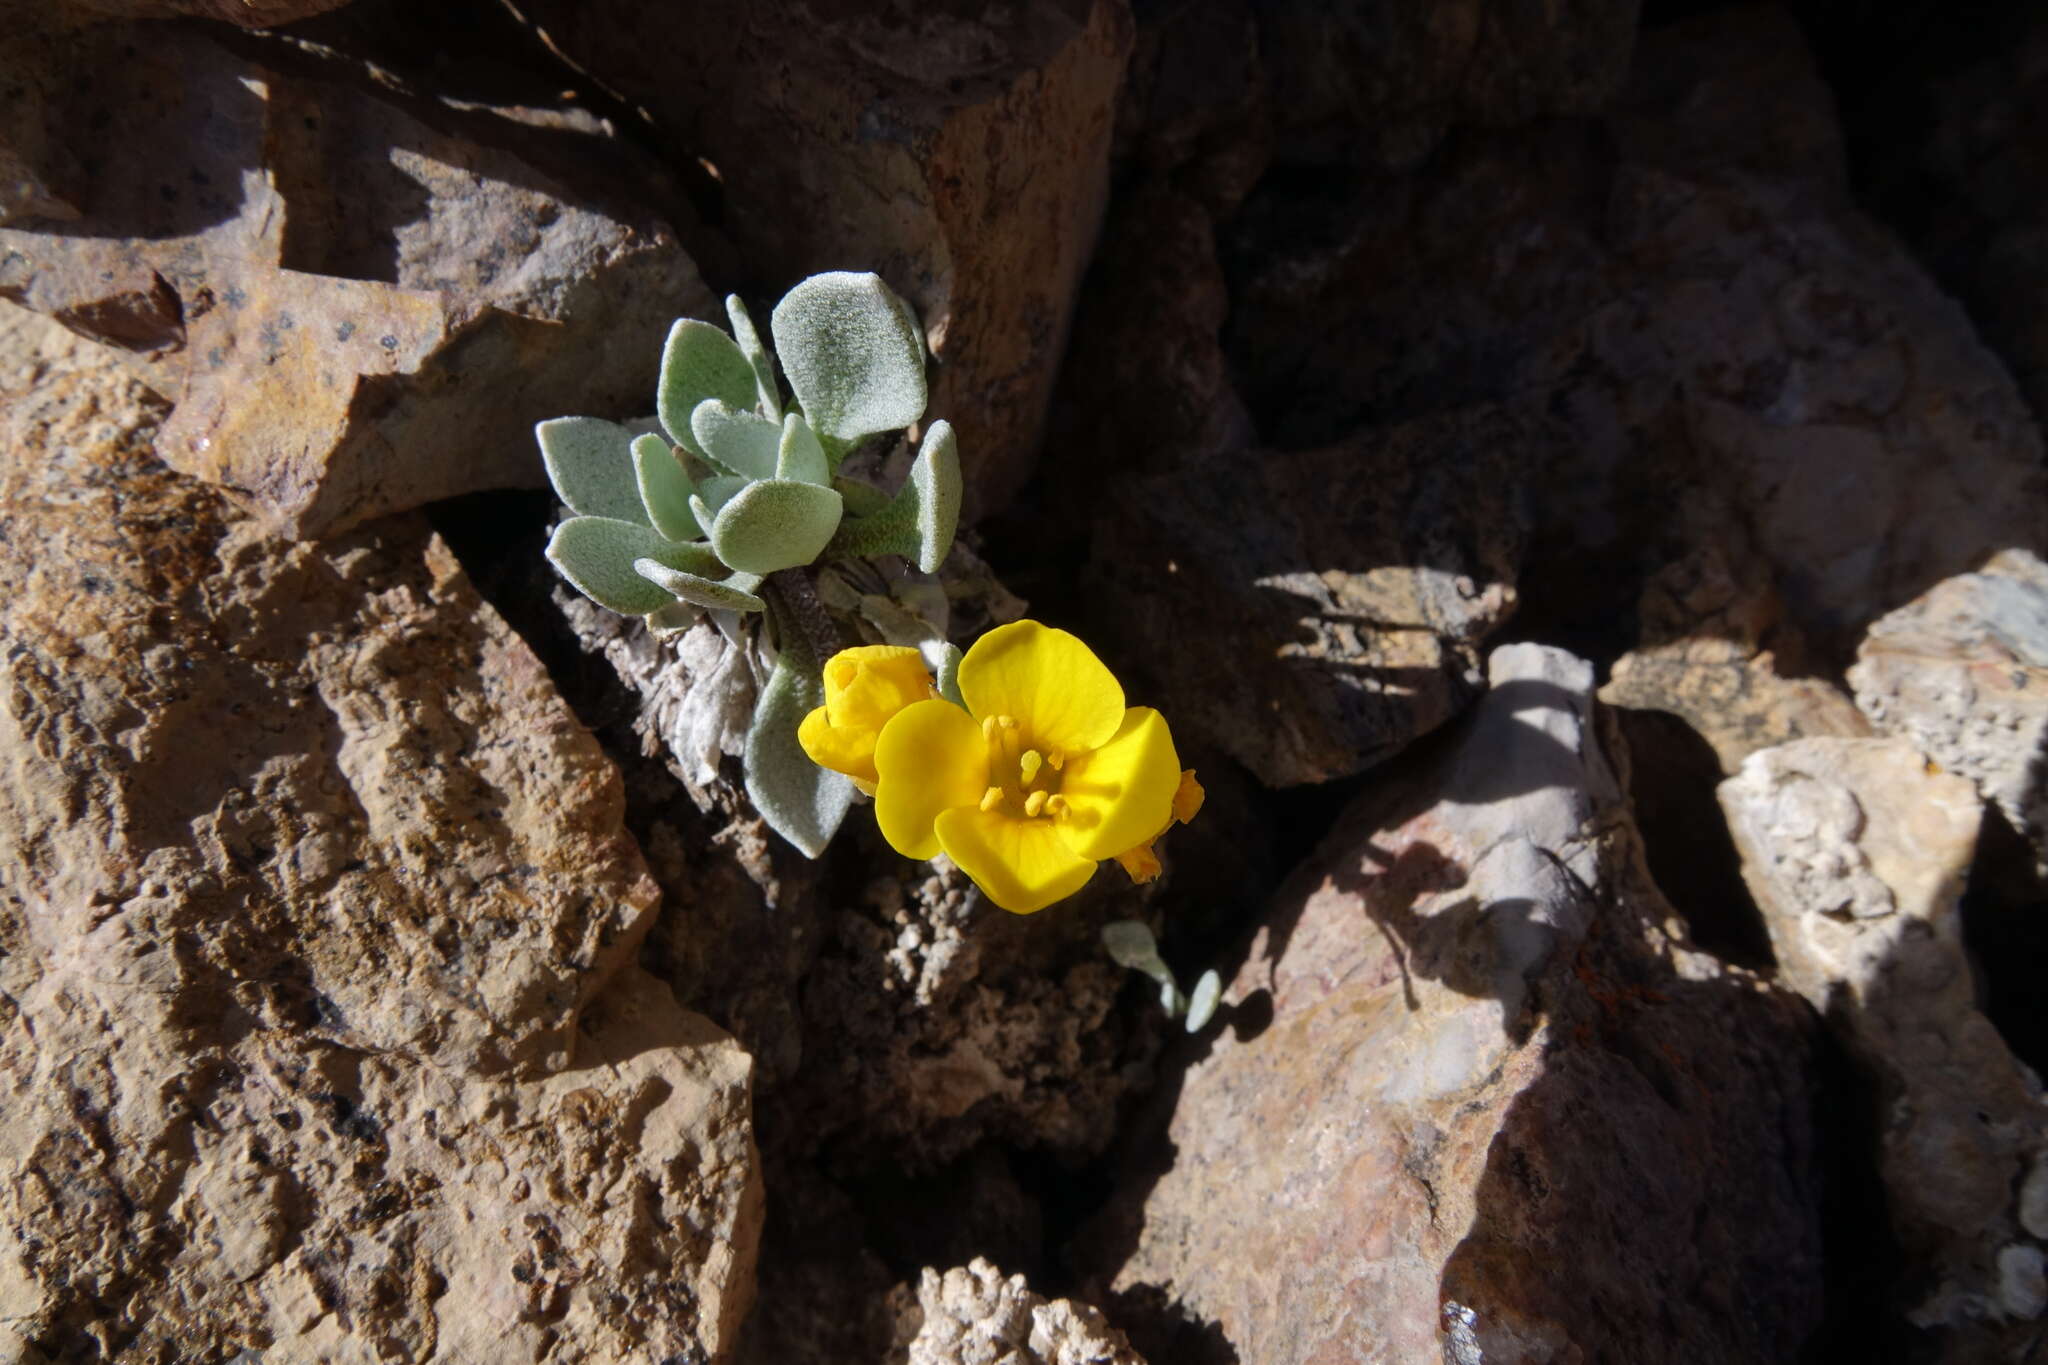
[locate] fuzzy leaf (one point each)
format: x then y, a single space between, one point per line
862 499
597 554
712 494
664 488
853 354
949 673
1202 1002
775 524
801 801
589 462
699 362
765 388
800 457
920 522
739 441
730 595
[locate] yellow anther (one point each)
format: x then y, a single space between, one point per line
991 798
1007 722
1056 760
988 727
1034 803
1029 765
1055 803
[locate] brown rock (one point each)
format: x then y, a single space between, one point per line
1686 287
246 13
1310 613
1470 1101
961 155
1857 853
1962 671
358 303
1376 81
1718 652
310 890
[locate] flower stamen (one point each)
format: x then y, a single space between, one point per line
1034 804
1056 760
991 798
1030 764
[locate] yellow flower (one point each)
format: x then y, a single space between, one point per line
865 688
1044 774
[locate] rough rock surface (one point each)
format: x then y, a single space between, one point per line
972 1315
1468 1086
358 301
312 897
1717 651
1857 854
1309 613
962 154
1686 287
1962 672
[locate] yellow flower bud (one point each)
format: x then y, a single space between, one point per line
864 689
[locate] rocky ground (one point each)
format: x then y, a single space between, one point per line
1572 475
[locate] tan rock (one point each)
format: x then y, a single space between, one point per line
1471 1100
1962 672
358 303
1719 652
963 156
312 893
972 1315
1857 851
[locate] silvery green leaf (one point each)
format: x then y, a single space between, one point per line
862 499
919 523
589 462
774 524
712 494
853 355
700 591
739 441
1130 944
801 801
949 687
800 457
766 390
597 554
699 362
1202 1002
664 488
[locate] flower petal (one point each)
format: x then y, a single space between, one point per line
843 749
1059 692
1121 795
930 759
868 684
1021 865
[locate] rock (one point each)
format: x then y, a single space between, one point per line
315 900
1718 652
358 301
1962 671
246 13
1857 852
971 1315
962 156
1685 286
1468 1088
1956 165
1310 613
1380 83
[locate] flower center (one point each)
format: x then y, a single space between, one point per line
1022 782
